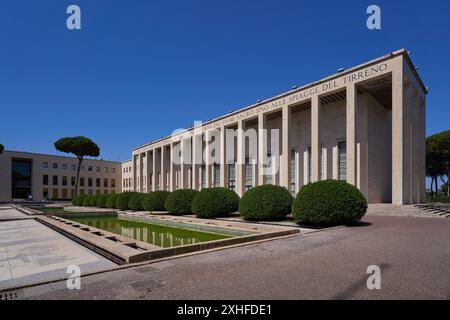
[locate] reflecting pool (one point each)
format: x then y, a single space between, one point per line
159 235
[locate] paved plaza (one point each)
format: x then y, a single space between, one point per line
32 253
412 252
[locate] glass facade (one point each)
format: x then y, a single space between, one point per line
21 178
232 177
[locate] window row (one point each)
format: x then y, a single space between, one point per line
66 194
126 169
73 167
90 181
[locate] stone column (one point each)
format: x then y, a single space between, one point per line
171 169
286 148
154 170
351 115
149 168
262 148
196 160
207 156
163 171
398 109
182 165
223 162
240 183
315 138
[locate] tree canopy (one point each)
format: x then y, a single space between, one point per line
438 157
1 148
79 146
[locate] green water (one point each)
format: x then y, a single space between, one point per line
151 233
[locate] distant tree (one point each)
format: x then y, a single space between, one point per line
438 159
80 147
1 148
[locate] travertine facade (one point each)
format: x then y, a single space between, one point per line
365 125
46 176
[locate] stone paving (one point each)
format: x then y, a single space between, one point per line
9 213
32 253
413 254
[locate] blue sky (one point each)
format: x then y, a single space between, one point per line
139 69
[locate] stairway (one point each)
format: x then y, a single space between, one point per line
439 210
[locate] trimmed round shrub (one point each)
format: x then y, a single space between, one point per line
135 202
123 199
329 202
101 200
87 201
74 200
111 201
93 201
215 202
266 202
80 200
180 201
154 201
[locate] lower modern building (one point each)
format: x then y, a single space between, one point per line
43 176
365 125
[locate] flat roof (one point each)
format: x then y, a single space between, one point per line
314 83
59 156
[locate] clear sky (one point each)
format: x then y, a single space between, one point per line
139 69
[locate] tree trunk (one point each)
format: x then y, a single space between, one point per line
431 187
436 185
80 160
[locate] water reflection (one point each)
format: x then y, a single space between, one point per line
154 234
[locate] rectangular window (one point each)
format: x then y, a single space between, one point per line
82 168
45 193
269 165
293 171
231 176
113 170
309 164
81 182
64 182
105 183
248 174
216 175
55 180
342 158
97 169
45 180
45 166
64 166
98 182
90 182
106 169
72 181
55 165
89 168
113 183
74 167
203 174
90 192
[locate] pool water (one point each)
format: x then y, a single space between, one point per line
155 234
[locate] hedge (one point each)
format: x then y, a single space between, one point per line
93 201
87 201
123 199
135 202
215 202
101 200
154 201
80 200
266 202
111 201
180 201
74 200
329 202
